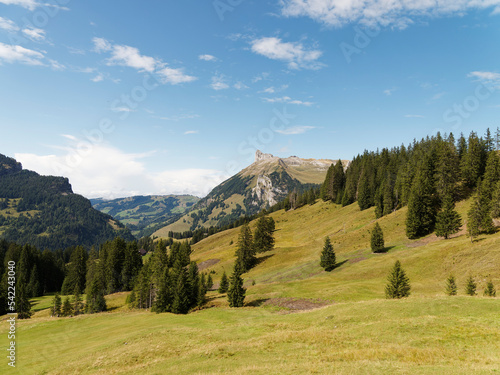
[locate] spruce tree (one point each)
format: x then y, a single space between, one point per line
490 290
377 239
326 189
328 259
67 309
55 308
77 270
264 234
181 302
479 215
470 286
210 282
451 286
245 253
224 283
448 220
236 292
495 203
398 285
95 302
78 307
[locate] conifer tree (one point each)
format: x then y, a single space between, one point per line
398 285
338 182
236 292
193 282
224 283
326 189
78 307
245 253
181 303
377 239
210 282
23 304
95 302
165 296
67 309
470 286
451 286
447 168
264 234
34 286
55 308
479 215
448 220
365 197
473 162
421 216
328 259
490 290
495 203
77 270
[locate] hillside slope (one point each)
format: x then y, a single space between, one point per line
264 183
298 318
141 214
43 211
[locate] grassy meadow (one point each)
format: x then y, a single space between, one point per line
298 319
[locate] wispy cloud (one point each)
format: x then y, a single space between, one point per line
389 92
34 33
191 132
13 54
396 13
288 100
273 90
486 77
219 83
207 58
8 25
294 54
294 130
240 86
131 57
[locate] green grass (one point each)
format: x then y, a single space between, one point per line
359 332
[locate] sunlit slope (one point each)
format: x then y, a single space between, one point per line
292 269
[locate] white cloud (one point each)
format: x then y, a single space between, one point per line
175 76
56 65
295 54
487 77
98 78
389 92
191 132
28 4
219 83
131 57
8 25
240 86
288 100
295 130
273 90
34 33
260 77
12 54
398 13
207 58
105 171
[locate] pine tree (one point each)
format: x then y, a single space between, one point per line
55 308
451 286
236 292
181 301
224 283
264 234
23 304
77 270
470 286
421 216
495 203
328 259
193 282
479 215
210 282
448 220
490 290
95 302
473 162
67 309
377 239
34 286
78 307
245 253
398 283
326 189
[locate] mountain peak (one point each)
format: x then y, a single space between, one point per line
259 155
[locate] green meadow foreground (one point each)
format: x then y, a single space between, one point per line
298 319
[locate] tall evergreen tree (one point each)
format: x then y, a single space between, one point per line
77 270
422 204
95 302
448 220
326 192
224 283
67 308
447 168
245 253
328 259
236 292
495 203
398 285
479 215
78 306
131 266
23 304
451 286
473 162
377 239
55 308
181 302
264 234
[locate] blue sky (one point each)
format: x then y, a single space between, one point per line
159 97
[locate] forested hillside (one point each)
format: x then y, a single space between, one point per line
44 212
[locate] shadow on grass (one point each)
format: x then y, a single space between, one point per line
262 259
340 264
385 250
257 302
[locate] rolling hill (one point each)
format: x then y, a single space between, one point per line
142 214
262 184
44 212
299 318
